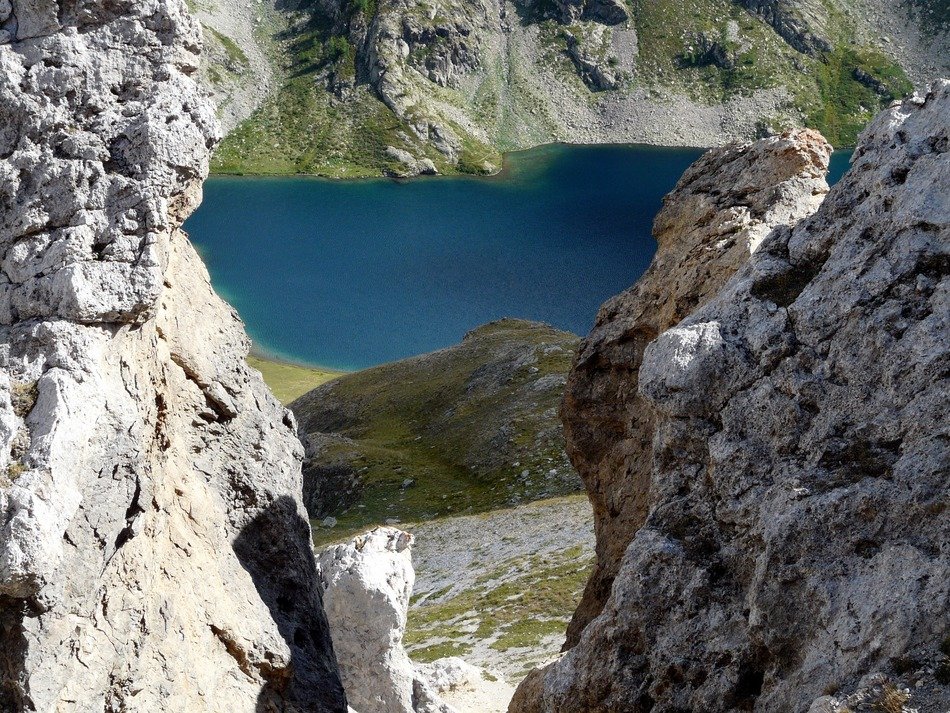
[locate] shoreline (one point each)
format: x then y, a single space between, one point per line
262 355
289 381
505 165
502 173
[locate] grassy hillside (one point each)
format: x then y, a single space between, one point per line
290 381
466 429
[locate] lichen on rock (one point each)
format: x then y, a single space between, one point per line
719 212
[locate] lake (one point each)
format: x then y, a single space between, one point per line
349 274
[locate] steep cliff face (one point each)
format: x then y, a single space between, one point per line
795 539
717 215
154 554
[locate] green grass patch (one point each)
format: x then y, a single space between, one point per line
428 654
527 633
846 105
463 424
290 381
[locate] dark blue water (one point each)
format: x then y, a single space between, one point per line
352 274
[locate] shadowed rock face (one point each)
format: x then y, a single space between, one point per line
720 211
137 450
795 527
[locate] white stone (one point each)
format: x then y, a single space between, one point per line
153 531
367 584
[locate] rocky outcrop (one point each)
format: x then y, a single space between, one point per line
366 586
609 12
588 52
704 50
154 554
794 546
801 23
719 212
409 165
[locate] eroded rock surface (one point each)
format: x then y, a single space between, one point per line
366 586
801 23
796 532
154 554
719 212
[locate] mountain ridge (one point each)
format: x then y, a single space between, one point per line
400 87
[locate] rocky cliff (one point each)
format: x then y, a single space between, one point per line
154 553
793 552
415 86
718 214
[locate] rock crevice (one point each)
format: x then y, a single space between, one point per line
719 212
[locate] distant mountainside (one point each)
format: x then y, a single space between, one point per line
464 429
399 87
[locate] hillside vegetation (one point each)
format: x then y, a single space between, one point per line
465 429
290 381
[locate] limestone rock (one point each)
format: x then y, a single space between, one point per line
366 587
610 12
721 209
591 61
795 539
460 686
409 165
449 674
705 49
154 553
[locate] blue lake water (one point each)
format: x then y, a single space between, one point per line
349 274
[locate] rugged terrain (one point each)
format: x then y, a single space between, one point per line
720 211
154 552
468 428
364 87
793 549
498 588
367 583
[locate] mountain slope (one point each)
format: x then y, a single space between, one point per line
464 429
366 87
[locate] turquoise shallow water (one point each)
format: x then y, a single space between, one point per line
356 273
